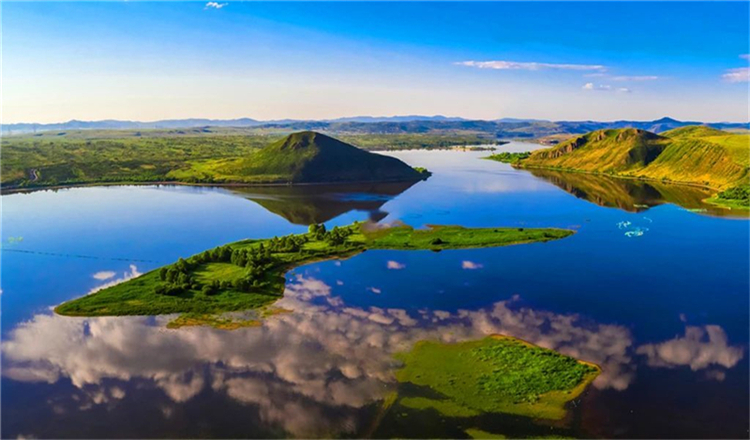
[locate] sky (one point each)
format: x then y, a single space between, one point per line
560 61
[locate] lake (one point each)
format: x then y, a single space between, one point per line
653 288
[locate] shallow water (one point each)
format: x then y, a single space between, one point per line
663 311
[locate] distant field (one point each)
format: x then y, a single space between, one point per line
184 155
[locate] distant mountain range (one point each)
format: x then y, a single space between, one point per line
500 128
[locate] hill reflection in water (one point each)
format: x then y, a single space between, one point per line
307 204
632 195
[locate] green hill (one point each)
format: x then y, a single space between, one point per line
696 155
310 157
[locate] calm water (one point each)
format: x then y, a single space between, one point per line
654 293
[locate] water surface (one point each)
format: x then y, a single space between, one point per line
655 294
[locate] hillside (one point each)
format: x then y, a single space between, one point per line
310 157
204 158
697 155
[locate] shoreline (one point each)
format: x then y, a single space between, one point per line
16 190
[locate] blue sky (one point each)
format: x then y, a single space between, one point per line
149 60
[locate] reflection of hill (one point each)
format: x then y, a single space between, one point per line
304 205
629 194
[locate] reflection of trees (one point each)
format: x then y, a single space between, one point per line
298 365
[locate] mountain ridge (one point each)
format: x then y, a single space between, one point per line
500 128
697 155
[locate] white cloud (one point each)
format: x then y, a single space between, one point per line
470 265
215 5
745 56
395 265
598 87
103 275
516 65
605 88
740 74
375 290
635 78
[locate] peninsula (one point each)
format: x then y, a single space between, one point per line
249 274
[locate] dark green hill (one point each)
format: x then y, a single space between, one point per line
310 157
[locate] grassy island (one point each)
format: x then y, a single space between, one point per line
507 157
497 374
249 274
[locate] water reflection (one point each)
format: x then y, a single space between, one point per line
304 205
312 372
699 348
630 194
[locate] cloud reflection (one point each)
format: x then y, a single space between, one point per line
700 348
325 354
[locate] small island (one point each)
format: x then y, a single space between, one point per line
497 374
249 274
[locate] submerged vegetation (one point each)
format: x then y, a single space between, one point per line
249 274
497 374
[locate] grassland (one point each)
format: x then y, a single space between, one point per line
192 156
695 155
497 374
249 274
507 157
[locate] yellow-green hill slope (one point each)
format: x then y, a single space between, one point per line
696 155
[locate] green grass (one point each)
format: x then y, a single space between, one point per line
737 197
694 155
195 156
218 271
494 375
309 157
141 296
457 237
507 157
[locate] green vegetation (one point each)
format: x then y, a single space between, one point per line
192 156
695 155
507 157
307 157
737 197
249 274
497 374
